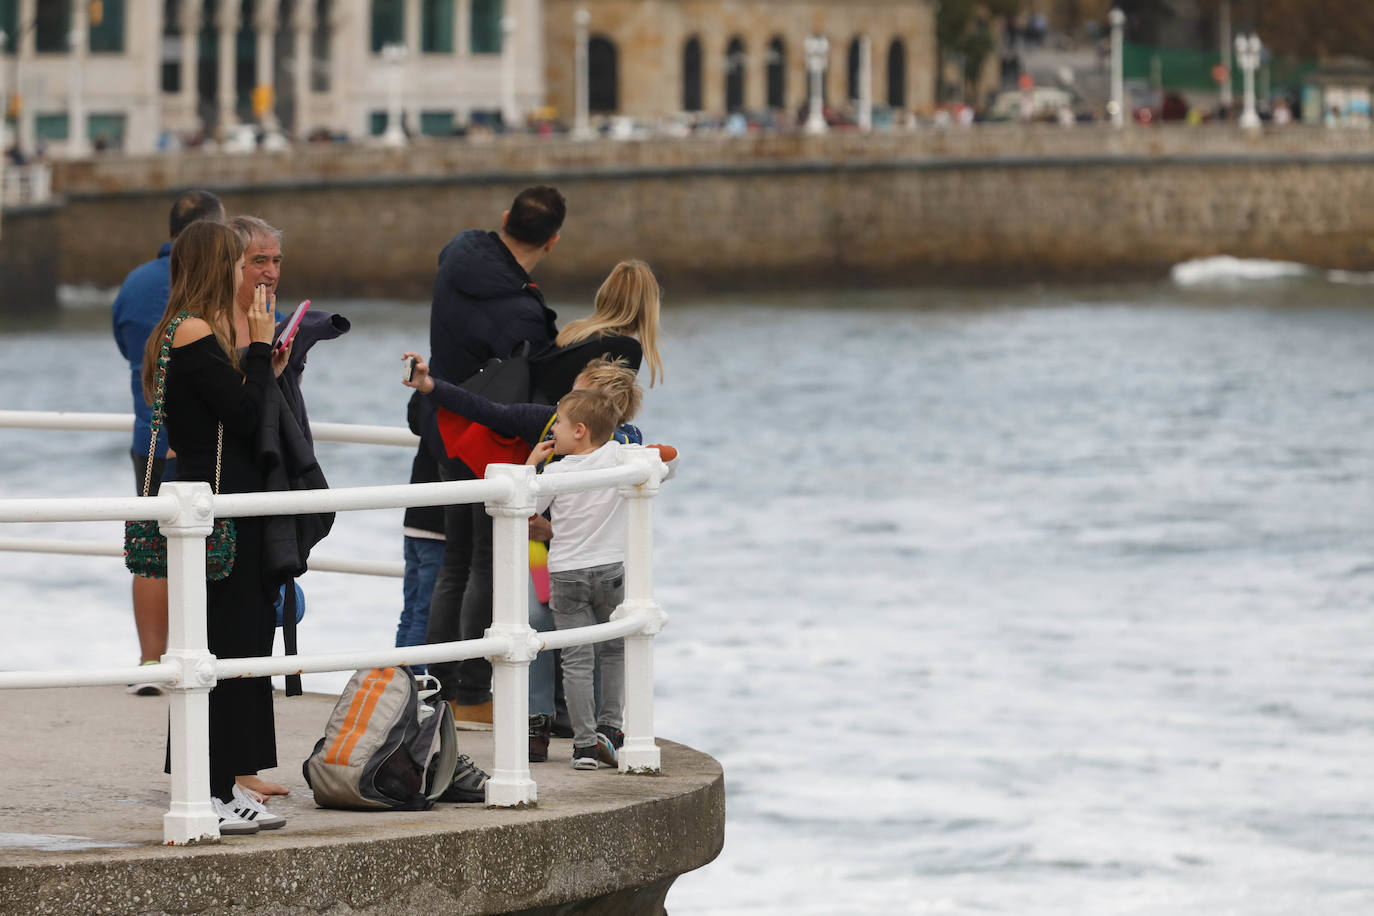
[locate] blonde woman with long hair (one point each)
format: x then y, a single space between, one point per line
623 325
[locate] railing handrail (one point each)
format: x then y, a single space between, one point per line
355 433
185 510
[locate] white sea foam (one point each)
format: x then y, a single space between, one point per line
1225 269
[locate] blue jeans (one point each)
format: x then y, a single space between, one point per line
581 598
423 558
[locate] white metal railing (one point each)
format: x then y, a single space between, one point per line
25 184
186 513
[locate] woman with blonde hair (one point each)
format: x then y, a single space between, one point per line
213 402
623 325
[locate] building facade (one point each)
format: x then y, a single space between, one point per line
149 69
649 58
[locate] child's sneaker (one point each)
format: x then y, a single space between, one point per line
605 750
248 805
230 824
616 735
585 758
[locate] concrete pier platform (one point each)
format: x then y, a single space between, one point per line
82 797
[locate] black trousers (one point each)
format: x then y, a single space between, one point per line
461 605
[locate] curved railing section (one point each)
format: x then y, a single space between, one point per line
186 513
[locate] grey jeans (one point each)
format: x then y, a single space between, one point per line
581 598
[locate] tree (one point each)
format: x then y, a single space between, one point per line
1316 28
963 28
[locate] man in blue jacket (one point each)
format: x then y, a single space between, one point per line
137 309
484 305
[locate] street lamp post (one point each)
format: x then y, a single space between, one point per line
1248 49
865 84
1117 108
817 49
582 129
510 111
77 143
394 54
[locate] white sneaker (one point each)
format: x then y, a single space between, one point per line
248 805
230 824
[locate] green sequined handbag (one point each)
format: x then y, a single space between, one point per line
145 548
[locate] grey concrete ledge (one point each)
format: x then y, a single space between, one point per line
81 828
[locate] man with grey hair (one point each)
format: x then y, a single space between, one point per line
261 262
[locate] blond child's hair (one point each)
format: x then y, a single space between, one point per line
592 408
617 380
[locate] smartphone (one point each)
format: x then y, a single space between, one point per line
408 373
288 331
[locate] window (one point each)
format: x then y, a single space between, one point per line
436 27
108 36
486 27
691 75
319 48
388 23
436 123
106 131
50 27
9 24
50 126
171 48
376 123
777 73
854 75
603 90
896 74
734 74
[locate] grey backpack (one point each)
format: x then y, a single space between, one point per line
386 745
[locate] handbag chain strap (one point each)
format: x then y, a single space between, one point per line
160 407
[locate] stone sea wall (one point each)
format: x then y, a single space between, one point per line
995 203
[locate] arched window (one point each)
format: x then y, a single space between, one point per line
603 88
854 75
896 74
734 74
777 73
691 74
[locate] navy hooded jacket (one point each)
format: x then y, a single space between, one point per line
484 305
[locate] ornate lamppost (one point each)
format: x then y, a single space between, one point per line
77 143
817 49
510 110
1117 108
1248 50
394 54
582 130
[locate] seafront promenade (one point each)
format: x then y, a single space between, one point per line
996 202
82 801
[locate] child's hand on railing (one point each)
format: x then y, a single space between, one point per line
417 376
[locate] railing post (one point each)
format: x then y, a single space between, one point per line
191 819
640 754
510 783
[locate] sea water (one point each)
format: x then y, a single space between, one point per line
1014 601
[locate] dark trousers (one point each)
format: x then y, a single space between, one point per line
461 605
